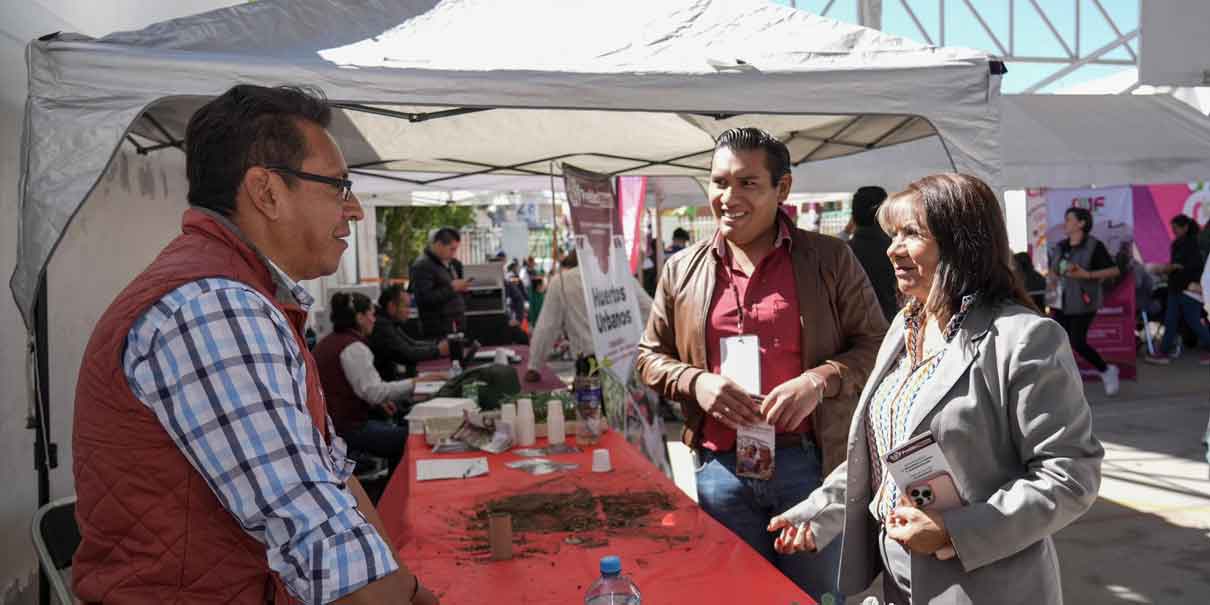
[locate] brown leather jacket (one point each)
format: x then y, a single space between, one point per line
842 328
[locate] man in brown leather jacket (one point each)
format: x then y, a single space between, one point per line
810 306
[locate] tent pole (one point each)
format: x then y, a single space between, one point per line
46 453
554 221
659 236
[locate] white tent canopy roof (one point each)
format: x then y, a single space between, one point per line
1054 141
386 188
462 86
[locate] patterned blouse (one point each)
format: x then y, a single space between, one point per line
894 401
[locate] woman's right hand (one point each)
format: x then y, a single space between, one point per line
725 401
795 537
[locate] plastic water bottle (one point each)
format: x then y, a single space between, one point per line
455 369
612 588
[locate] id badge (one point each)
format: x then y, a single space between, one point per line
740 361
755 446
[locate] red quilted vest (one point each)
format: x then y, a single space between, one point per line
151 529
348 411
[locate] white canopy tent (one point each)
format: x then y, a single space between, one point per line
462 87
377 188
1055 141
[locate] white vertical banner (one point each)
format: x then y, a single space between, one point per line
1112 211
367 247
613 306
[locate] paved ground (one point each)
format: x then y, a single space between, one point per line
1147 539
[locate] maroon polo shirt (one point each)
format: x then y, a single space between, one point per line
770 302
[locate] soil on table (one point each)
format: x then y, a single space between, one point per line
576 512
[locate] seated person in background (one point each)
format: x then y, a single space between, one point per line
352 385
565 311
391 345
1184 270
1035 284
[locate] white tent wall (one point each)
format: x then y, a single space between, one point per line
16 442
134 212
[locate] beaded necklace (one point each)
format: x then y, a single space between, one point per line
894 414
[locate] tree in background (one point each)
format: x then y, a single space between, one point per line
403 231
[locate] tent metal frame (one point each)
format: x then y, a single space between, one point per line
520 167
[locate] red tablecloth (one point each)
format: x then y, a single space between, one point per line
549 382
684 556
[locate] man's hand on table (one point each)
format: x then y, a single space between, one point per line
789 404
725 401
795 537
533 376
389 407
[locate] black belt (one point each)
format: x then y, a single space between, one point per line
780 440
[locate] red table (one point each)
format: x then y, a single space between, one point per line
683 556
549 382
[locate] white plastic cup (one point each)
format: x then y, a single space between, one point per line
525 407
556 429
508 412
525 429
600 461
501 357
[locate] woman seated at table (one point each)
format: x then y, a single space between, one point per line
353 387
970 361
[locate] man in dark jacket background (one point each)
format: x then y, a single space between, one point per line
869 244
437 283
391 344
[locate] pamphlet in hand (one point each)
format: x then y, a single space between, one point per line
924 477
754 447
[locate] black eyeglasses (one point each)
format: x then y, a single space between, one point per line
344 185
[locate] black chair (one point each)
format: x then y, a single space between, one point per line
56 537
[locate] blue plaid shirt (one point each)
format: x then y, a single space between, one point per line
219 366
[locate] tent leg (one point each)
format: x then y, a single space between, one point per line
45 452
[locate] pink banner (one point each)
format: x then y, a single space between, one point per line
1154 207
632 197
1112 332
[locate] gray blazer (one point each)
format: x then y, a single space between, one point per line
1007 406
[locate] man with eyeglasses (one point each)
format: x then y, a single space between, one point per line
206 465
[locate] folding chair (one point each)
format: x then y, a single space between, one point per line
56 537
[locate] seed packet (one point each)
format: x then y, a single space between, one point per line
452 446
550 450
486 435
541 466
754 449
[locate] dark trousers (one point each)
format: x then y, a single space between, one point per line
380 438
1181 308
1076 327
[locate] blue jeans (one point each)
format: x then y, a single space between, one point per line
746 505
1181 307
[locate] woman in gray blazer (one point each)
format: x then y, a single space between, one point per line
970 360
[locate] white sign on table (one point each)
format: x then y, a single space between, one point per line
613 306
